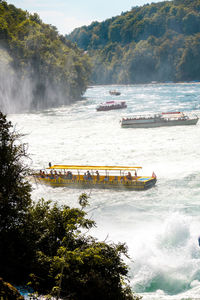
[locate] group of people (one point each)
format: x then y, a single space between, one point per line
55 175
129 177
67 175
87 176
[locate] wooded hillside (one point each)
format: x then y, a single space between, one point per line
156 42
39 67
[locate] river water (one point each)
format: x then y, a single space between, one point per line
161 225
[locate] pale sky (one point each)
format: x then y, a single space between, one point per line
67 15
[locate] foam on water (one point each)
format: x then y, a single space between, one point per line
160 225
172 258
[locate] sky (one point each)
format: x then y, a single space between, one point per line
67 15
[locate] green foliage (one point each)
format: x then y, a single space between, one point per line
93 271
14 189
68 262
169 24
79 267
14 197
49 61
83 200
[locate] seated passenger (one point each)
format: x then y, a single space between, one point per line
116 178
135 177
65 175
106 178
42 174
129 177
51 176
69 175
89 177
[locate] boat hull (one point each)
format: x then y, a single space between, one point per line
129 124
142 183
114 93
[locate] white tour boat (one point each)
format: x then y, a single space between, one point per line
158 120
109 105
114 93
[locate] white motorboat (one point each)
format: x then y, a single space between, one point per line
109 105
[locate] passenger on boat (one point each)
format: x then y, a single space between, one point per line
135 177
98 176
42 174
89 177
129 177
65 175
116 178
85 176
106 178
69 175
51 176
55 174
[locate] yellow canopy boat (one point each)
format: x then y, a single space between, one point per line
79 176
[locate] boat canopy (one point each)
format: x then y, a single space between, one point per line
77 167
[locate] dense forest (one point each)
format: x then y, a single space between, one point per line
39 67
154 42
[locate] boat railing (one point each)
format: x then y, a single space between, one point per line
118 180
140 117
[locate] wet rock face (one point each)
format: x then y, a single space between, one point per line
9 292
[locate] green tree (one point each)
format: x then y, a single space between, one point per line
69 263
56 70
15 197
171 23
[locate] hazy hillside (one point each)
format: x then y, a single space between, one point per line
39 67
158 42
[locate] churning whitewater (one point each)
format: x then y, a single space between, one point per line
161 225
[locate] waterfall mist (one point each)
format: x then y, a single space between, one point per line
22 90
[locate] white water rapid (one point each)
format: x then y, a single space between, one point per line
160 225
